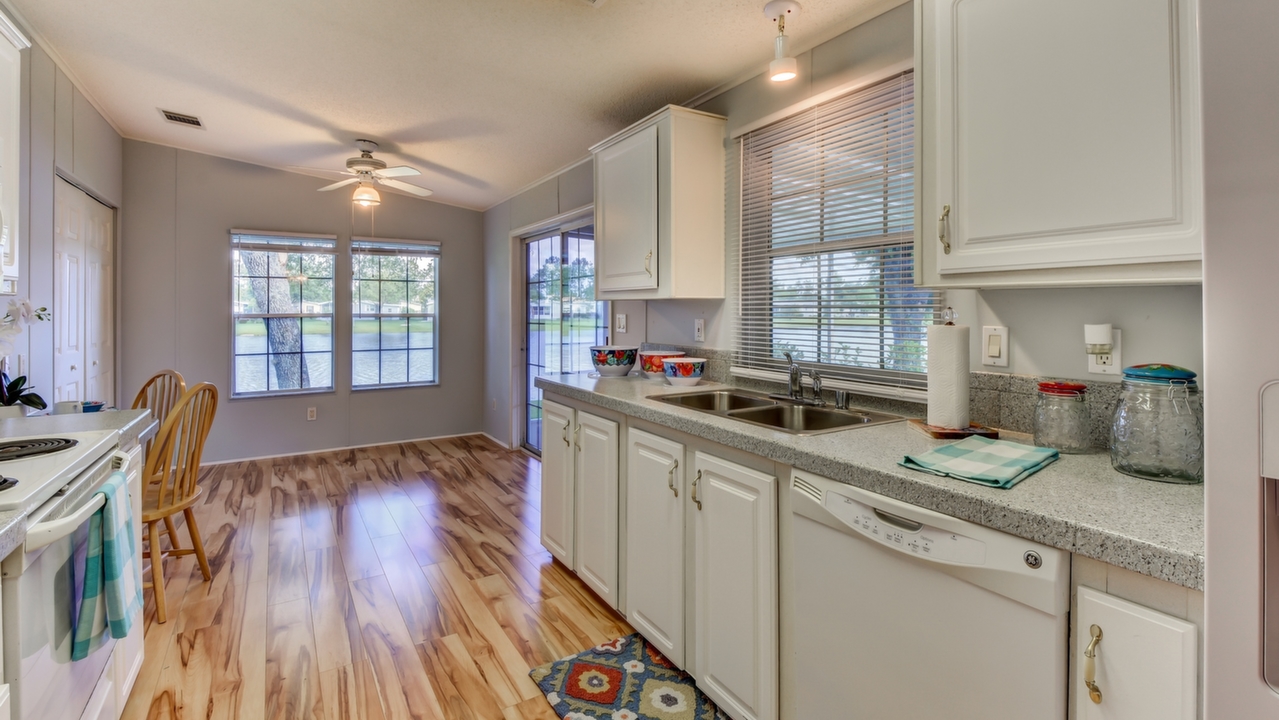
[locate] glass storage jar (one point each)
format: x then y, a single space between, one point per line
1061 417
1157 432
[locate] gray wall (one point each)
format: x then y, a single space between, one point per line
176 280
62 134
504 356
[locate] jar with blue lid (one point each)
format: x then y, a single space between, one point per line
1157 431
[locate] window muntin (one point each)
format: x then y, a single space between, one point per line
827 241
394 328
282 313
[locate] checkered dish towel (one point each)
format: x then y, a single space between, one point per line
980 460
112 595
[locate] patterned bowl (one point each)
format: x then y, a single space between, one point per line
684 370
651 361
613 360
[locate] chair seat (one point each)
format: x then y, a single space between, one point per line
151 511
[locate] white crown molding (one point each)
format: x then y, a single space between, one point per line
535 183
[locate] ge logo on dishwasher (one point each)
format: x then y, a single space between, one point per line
1033 561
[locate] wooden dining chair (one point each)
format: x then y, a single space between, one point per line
170 475
159 395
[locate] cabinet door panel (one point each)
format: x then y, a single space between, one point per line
1061 141
735 539
1146 661
626 213
557 481
597 513
655 541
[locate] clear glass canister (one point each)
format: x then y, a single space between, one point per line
1061 417
1158 430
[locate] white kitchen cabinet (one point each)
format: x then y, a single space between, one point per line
102 704
735 592
659 208
655 499
557 481
130 650
595 488
1146 662
1058 143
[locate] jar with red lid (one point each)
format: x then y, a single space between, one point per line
1061 417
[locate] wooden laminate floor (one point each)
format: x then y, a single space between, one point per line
386 583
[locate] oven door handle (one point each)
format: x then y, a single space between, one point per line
47 533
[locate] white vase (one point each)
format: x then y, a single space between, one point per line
12 411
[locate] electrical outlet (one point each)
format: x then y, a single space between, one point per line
699 330
1109 363
310 414
619 322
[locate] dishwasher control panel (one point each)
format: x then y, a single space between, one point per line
905 534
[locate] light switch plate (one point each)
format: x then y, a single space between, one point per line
619 322
994 346
1111 363
699 330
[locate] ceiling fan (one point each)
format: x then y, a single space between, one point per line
368 170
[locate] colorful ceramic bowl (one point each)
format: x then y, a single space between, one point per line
91 406
651 361
613 360
684 370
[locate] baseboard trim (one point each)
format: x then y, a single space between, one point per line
353 447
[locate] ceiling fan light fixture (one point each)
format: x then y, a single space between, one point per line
366 196
783 67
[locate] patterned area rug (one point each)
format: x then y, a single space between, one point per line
625 679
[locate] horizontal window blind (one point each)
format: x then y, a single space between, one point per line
827 228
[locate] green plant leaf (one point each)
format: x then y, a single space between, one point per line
15 386
32 400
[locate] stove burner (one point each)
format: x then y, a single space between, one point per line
16 449
6 483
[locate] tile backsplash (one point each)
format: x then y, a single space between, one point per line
1008 402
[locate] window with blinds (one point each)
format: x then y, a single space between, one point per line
827 227
394 328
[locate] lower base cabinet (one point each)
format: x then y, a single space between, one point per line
735 591
655 498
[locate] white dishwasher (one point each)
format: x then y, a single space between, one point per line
901 612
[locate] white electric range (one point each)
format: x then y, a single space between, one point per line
43 579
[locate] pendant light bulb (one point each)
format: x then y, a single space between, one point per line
366 196
782 68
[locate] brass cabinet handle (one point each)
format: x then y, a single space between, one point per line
566 434
670 477
695 481
1090 665
577 435
647 258
941 229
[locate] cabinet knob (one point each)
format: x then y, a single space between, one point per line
941 229
1090 664
73 367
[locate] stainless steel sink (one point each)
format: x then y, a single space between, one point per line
789 417
718 401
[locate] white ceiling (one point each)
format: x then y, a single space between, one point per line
483 96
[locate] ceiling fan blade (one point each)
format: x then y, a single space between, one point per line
339 184
398 185
397 171
311 170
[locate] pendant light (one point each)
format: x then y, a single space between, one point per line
366 196
783 67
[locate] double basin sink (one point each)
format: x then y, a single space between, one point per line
779 414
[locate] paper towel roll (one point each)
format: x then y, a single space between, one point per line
948 376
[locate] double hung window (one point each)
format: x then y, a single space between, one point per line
827 261
282 312
394 328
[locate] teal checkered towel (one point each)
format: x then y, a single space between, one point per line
112 594
980 460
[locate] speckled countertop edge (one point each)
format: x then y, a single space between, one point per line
1079 503
13 531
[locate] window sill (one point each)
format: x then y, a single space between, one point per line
283 393
883 391
397 386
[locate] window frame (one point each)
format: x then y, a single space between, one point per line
421 248
320 240
893 249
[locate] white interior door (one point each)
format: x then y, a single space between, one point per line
597 512
655 541
69 207
99 225
735 538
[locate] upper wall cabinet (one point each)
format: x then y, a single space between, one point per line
659 208
1058 142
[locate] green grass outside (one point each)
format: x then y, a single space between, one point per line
320 327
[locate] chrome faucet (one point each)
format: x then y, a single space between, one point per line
796 378
817 388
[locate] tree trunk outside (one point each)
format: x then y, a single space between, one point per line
284 335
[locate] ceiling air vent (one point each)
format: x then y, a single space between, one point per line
180 119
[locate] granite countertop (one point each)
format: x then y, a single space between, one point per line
133 426
1078 503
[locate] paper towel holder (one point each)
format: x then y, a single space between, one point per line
949 316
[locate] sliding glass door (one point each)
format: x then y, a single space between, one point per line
562 318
